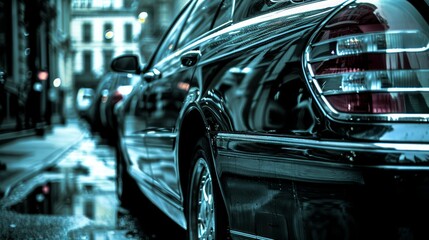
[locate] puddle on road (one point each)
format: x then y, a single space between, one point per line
76 200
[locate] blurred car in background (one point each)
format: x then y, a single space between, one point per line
283 119
113 87
120 87
94 110
84 99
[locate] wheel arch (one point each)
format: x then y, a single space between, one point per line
192 128
196 124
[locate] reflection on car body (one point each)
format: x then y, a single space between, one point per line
284 120
84 98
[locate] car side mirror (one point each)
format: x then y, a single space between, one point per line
126 63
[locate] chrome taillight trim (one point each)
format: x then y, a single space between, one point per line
418 42
321 100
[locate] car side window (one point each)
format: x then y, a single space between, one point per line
225 13
200 20
168 45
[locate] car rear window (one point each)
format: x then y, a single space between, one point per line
126 80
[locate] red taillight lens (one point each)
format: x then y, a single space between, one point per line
117 96
372 58
368 102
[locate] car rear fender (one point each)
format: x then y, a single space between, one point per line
194 126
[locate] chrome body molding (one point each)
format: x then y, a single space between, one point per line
332 145
311 160
247 235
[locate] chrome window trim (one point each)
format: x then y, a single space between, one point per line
247 235
235 26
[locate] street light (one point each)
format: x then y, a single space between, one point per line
109 34
57 82
143 16
42 75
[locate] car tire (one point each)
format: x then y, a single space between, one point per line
206 216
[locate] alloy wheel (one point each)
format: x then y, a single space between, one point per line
205 207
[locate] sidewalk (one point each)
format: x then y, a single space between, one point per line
28 156
8 132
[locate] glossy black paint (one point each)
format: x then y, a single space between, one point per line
286 169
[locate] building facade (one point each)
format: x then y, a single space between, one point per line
101 30
60 51
50 48
28 38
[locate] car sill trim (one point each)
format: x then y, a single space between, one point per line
333 145
249 236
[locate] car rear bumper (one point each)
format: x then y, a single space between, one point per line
287 188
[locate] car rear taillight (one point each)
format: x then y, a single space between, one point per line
121 93
117 96
371 59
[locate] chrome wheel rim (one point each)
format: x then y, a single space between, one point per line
205 208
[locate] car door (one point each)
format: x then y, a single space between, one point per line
169 80
103 86
132 134
139 107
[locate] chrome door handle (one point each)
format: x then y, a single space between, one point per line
152 75
190 58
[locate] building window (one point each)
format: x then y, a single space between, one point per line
107 55
87 32
81 3
128 32
128 3
108 32
87 61
107 3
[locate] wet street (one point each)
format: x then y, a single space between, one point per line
76 199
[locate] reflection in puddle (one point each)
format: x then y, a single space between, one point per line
25 226
74 200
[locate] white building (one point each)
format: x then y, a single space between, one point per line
101 30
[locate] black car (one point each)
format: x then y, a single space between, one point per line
112 88
84 98
93 112
284 119
117 91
